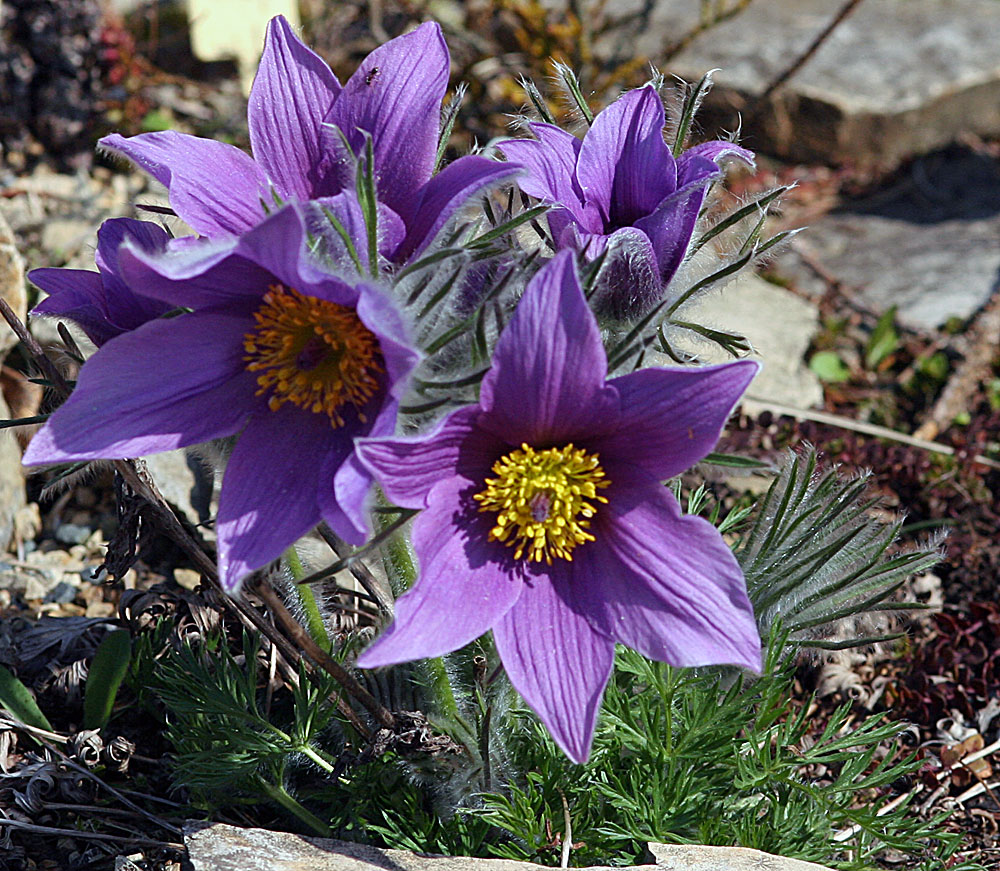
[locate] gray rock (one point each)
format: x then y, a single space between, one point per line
930 246
779 325
12 289
686 857
217 847
185 481
894 79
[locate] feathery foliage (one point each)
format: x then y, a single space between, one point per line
816 558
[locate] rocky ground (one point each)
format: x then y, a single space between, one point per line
887 358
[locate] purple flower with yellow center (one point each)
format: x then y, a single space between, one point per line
291 360
544 516
101 303
299 116
620 190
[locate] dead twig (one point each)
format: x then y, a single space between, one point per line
361 573
981 342
322 658
90 836
131 805
871 429
707 22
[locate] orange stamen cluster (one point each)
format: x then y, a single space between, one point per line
313 353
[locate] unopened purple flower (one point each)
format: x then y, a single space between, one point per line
291 360
620 190
394 97
101 303
544 516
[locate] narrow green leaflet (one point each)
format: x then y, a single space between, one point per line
18 700
105 677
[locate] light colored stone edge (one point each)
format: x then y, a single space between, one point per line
218 847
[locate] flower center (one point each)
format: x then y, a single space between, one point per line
313 353
541 500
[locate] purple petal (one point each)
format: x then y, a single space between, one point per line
269 489
225 272
126 308
625 167
379 313
347 210
215 187
556 660
672 224
671 418
715 151
551 172
445 194
145 234
345 482
395 95
662 583
547 380
463 588
629 282
408 468
77 294
168 384
345 504
291 96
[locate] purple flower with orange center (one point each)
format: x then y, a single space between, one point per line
101 303
621 192
300 116
544 516
292 361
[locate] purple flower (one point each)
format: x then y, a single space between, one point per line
545 520
621 190
292 361
101 303
296 102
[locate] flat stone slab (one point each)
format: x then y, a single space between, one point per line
217 847
930 245
896 78
780 326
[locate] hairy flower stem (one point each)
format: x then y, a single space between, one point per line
403 573
279 795
307 599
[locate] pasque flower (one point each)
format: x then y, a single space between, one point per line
291 360
544 516
101 303
620 190
299 116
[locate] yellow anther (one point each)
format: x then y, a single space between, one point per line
540 499
313 353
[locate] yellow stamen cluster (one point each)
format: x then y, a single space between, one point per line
313 353
540 498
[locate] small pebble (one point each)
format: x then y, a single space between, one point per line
72 533
28 522
61 593
187 578
94 574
